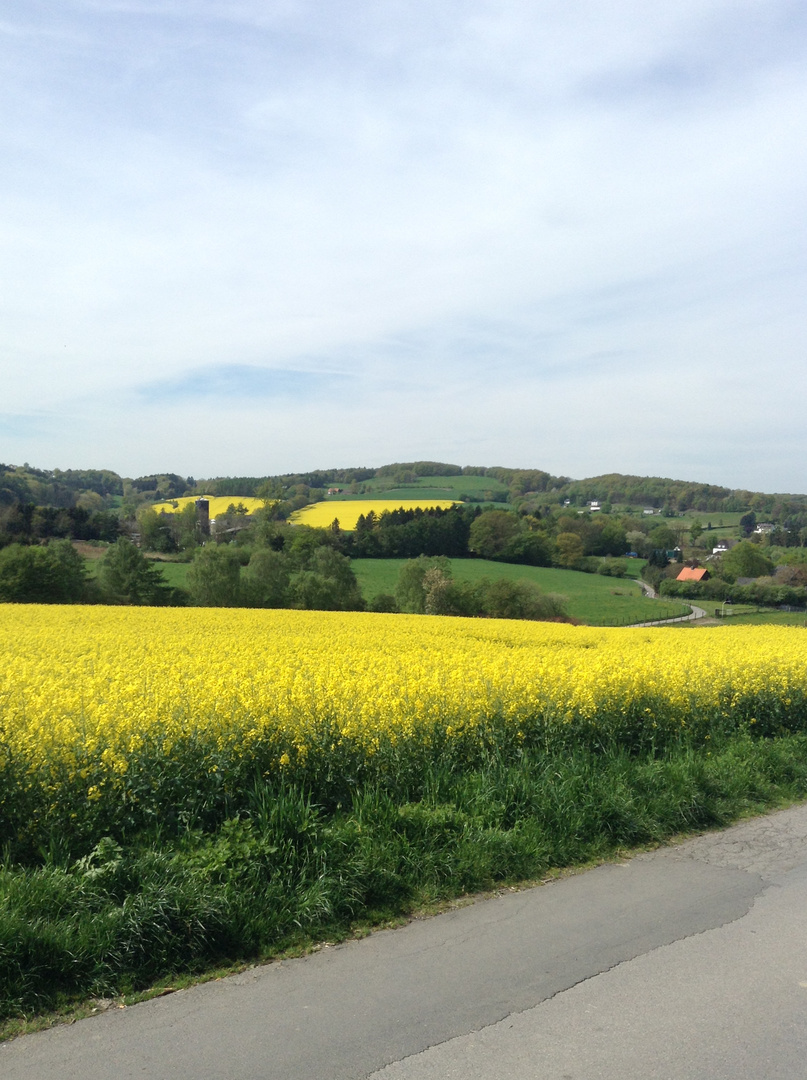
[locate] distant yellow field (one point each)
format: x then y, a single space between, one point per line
218 503
320 515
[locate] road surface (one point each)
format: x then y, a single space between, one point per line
649 591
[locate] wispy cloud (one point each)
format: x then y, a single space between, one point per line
237 382
23 425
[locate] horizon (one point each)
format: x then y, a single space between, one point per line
197 480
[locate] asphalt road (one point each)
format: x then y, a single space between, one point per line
687 962
695 612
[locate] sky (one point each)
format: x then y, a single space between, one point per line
249 237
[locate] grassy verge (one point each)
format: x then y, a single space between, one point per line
745 616
766 618
289 867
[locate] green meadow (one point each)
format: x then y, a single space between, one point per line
766 618
592 598
600 601
476 488
175 573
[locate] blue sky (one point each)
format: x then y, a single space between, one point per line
261 236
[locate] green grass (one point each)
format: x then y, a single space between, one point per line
175 573
767 618
93 568
428 487
592 598
633 567
727 611
719 519
725 526
748 616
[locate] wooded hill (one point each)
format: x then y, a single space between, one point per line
525 489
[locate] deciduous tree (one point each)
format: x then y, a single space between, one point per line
492 531
266 579
50 574
745 560
410 591
128 577
214 577
570 549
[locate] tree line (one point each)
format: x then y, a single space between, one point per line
27 523
307 572
55 487
553 539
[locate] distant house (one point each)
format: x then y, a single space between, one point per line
334 491
722 546
594 506
764 527
693 573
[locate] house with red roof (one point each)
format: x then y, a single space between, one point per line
693 573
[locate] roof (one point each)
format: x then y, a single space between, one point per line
693 573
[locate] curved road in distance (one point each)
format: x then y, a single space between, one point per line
650 592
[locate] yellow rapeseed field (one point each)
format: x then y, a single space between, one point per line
87 693
218 503
320 515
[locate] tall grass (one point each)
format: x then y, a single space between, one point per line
278 866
